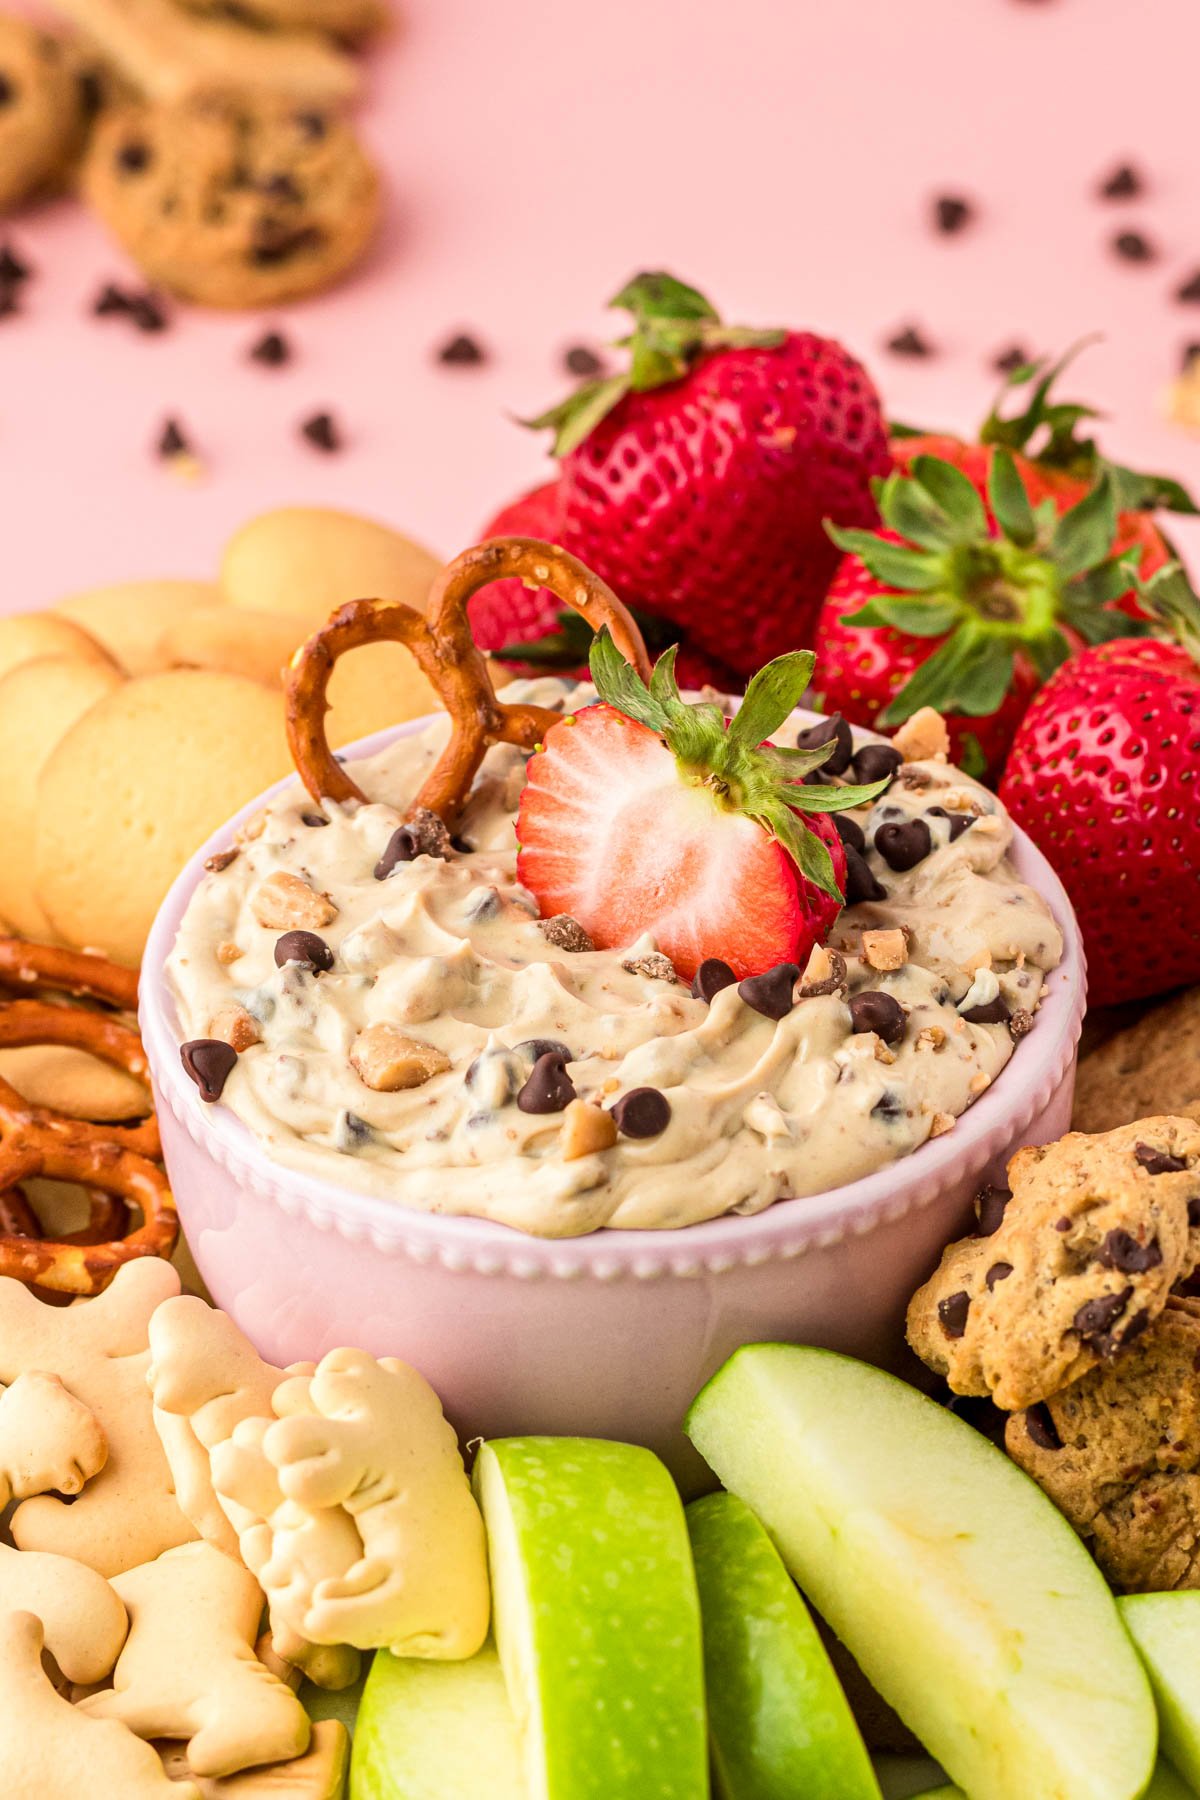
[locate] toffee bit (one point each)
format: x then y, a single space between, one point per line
272 350
462 352
322 432
909 342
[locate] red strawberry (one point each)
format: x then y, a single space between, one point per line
644 814
1105 777
1055 463
966 602
696 483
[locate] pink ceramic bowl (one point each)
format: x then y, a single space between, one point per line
609 1335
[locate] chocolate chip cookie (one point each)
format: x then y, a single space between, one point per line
1119 1454
349 20
41 111
234 201
1151 1065
1070 1268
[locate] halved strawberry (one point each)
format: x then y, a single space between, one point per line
645 814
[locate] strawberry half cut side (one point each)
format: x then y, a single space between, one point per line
644 814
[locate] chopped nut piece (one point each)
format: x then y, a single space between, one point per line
654 965
221 860
229 952
585 1130
285 902
912 777
235 1027
979 1082
885 949
824 972
565 933
942 1123
254 827
882 1053
924 737
384 1059
931 1038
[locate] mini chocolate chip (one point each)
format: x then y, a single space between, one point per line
461 845
1137 1325
313 125
8 91
861 881
280 187
173 441
1187 356
773 992
1063 1224
642 1113
221 860
276 241
209 1062
146 313
999 1271
350 1132
1124 183
952 1313
873 1010
549 1088
1096 1318
579 360
1007 362
710 978
1131 246
322 432
565 933
1189 290
835 732
958 821
951 213
423 835
133 156
306 948
461 352
903 846
1121 1250
850 832
889 1107
991 1012
272 350
876 762
535 1047
13 268
10 299
990 1204
909 342
110 300
314 820
1039 1423
1158 1162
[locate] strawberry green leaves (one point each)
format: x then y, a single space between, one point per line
673 326
736 764
992 588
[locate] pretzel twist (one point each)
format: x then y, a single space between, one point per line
446 652
27 966
27 1022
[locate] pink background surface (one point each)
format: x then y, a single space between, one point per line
538 151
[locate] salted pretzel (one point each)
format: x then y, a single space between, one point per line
26 967
442 644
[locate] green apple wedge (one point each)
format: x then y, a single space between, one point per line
778 1721
1166 1630
1164 1785
436 1731
597 1618
963 1594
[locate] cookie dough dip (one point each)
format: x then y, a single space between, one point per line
381 996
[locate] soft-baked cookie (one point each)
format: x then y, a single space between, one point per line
1119 1454
129 617
234 201
136 786
1075 1265
41 111
345 19
24 636
1153 1066
305 560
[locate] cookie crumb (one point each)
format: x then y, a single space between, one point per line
653 964
565 933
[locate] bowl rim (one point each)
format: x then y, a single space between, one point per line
784 1229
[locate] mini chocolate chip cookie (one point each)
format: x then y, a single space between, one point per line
1076 1265
1119 1454
349 20
234 201
41 111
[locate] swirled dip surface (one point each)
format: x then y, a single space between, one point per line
450 953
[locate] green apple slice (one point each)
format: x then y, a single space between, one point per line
966 1598
597 1618
779 1724
1164 1785
436 1731
1166 1630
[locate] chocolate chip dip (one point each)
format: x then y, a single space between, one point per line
405 1024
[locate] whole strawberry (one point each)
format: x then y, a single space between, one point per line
696 483
967 601
1104 775
647 815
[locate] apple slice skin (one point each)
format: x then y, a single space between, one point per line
597 1618
1166 1630
433 1730
963 1594
779 1724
